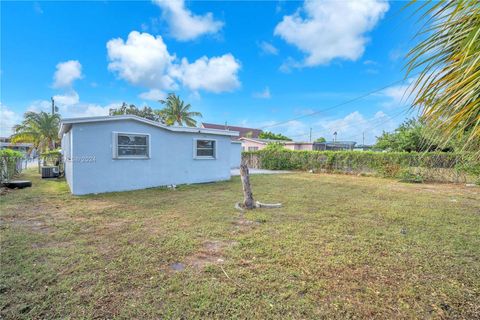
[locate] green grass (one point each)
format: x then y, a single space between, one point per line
341 247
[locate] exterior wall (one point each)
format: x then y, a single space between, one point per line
303 146
235 154
171 159
246 144
67 157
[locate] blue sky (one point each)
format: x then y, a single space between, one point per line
245 63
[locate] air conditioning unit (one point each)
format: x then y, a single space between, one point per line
50 172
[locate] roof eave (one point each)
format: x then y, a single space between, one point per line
67 122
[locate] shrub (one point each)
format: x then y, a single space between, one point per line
10 164
406 175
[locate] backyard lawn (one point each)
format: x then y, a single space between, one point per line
341 247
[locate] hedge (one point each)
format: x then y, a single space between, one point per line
387 164
10 164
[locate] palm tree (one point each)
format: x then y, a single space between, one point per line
41 129
176 111
448 86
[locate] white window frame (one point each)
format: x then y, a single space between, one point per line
115 146
215 146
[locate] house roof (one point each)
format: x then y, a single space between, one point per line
243 131
267 141
66 124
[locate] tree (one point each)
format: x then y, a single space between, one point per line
274 146
448 58
146 112
273 136
321 139
411 135
41 129
176 111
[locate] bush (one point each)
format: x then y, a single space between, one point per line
386 164
407 175
10 153
10 164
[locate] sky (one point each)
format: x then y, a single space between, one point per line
289 67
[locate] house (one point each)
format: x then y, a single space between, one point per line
334 145
6 143
119 153
251 144
243 132
363 147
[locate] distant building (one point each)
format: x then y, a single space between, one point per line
243 132
334 145
362 147
5 143
250 144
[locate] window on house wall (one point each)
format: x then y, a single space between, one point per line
131 146
252 148
205 149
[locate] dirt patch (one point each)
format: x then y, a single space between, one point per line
210 253
32 224
243 225
4 191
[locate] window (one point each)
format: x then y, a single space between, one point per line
252 148
205 149
131 146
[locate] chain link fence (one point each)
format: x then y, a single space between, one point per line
412 167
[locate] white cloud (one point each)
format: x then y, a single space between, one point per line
349 127
185 25
354 125
8 119
326 30
217 74
153 94
70 98
370 63
399 95
141 60
265 94
268 48
144 60
71 109
67 72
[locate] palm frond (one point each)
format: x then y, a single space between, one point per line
448 87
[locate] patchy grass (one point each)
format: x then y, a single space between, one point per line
341 247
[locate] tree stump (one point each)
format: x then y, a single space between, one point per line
248 202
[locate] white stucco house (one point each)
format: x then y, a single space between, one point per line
119 153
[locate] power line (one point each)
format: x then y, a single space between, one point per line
339 104
377 123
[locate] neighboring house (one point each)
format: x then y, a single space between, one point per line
242 131
5 143
250 144
362 147
119 153
334 145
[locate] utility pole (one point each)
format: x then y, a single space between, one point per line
363 138
53 106
310 134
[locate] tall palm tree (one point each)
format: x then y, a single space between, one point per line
41 129
176 111
448 58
